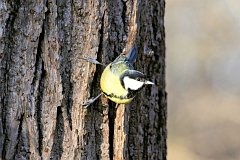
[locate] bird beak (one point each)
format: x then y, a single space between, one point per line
148 82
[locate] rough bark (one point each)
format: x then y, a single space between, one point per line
44 81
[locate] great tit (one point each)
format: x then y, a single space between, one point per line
119 81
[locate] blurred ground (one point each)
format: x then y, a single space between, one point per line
203 79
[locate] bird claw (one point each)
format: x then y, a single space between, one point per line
87 103
92 60
90 101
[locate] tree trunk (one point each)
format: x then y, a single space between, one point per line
44 81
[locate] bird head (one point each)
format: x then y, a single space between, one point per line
134 80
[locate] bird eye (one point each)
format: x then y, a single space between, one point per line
138 79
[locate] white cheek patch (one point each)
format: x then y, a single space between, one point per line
132 84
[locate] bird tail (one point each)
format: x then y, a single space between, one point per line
132 55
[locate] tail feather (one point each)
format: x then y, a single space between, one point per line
132 55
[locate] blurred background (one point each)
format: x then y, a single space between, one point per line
203 79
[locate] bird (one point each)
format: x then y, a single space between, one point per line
119 81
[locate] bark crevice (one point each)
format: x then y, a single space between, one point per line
65 26
57 148
124 11
18 145
38 113
38 85
111 117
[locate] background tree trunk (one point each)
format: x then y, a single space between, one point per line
44 81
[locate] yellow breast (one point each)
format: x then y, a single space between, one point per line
112 88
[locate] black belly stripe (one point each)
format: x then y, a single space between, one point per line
129 95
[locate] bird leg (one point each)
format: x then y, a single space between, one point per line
91 100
